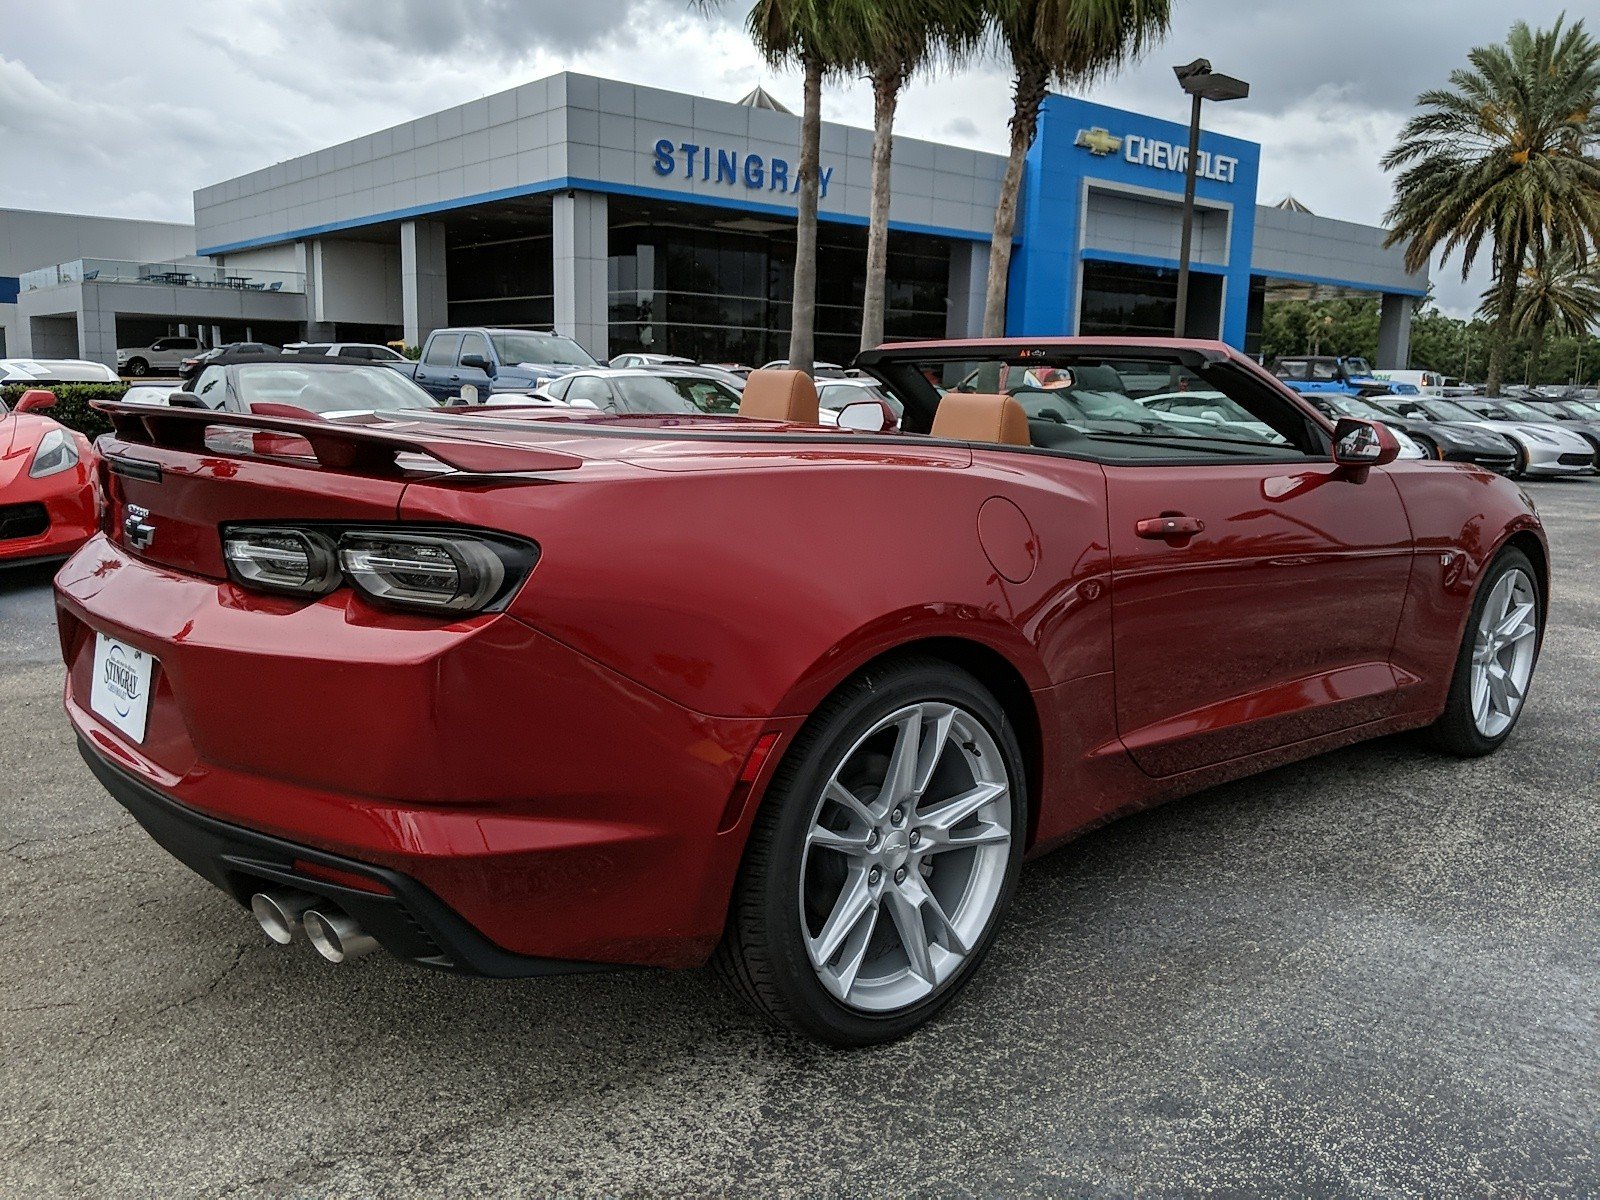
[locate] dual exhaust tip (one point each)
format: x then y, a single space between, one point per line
334 935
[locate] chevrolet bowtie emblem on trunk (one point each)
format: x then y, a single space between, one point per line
137 530
1099 142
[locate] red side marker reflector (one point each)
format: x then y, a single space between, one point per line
758 758
349 879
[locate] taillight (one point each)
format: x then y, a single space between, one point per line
427 570
297 561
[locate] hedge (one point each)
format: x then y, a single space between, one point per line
72 404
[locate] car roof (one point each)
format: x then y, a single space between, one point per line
315 362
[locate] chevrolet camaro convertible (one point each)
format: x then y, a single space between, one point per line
521 692
48 498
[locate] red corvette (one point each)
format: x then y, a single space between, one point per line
519 693
48 505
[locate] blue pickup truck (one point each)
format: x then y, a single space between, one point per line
1342 375
492 360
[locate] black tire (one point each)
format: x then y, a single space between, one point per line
1521 465
1430 448
762 955
137 367
1455 732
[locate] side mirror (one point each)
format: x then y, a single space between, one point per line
864 415
35 399
1362 444
478 361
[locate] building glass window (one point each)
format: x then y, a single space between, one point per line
1130 300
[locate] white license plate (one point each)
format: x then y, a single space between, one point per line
120 692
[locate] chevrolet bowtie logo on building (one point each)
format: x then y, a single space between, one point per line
1098 142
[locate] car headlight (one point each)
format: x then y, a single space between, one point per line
57 452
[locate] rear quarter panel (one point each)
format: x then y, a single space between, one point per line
752 583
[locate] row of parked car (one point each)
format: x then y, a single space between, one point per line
1529 432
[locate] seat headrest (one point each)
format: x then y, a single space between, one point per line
975 417
773 395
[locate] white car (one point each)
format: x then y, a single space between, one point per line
834 394
45 371
641 359
165 355
370 351
1542 449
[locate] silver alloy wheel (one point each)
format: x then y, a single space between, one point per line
914 825
1502 652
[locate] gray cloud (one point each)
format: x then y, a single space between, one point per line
234 87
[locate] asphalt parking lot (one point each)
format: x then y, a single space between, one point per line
1374 972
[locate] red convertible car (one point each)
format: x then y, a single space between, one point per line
516 693
48 501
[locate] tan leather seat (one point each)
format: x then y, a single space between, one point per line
773 395
975 417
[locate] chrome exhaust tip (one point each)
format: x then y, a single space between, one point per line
336 937
279 913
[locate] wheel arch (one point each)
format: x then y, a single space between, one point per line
997 670
1533 546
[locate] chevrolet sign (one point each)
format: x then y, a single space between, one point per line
1098 142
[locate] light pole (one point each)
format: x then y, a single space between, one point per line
1202 83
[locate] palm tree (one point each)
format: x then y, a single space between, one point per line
1066 42
1504 155
804 33
1559 294
896 39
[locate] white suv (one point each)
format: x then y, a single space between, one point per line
164 354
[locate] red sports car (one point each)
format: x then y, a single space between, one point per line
48 499
517 693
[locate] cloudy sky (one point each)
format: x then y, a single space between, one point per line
124 107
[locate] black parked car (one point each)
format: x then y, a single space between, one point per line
191 367
1442 440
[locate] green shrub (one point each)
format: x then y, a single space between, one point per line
72 404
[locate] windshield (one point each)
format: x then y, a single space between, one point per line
330 388
1526 412
1357 366
551 349
837 395
1444 410
650 394
1351 406
708 395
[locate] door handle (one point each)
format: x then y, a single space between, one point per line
1170 526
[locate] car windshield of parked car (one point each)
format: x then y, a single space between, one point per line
707 395
549 349
650 394
1214 407
330 388
1439 410
1088 405
1526 412
1307 371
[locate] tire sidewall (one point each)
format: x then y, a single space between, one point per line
813 1006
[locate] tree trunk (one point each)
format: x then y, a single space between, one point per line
1500 337
1032 78
803 319
886 85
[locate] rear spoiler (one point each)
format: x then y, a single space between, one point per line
368 449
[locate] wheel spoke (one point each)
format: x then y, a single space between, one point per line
838 794
855 952
844 841
901 781
908 924
928 904
987 833
944 817
1516 625
854 902
1497 690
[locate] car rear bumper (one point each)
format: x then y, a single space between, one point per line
406 918
561 811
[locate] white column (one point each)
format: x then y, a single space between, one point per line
581 253
424 295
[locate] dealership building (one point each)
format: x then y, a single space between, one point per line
630 217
